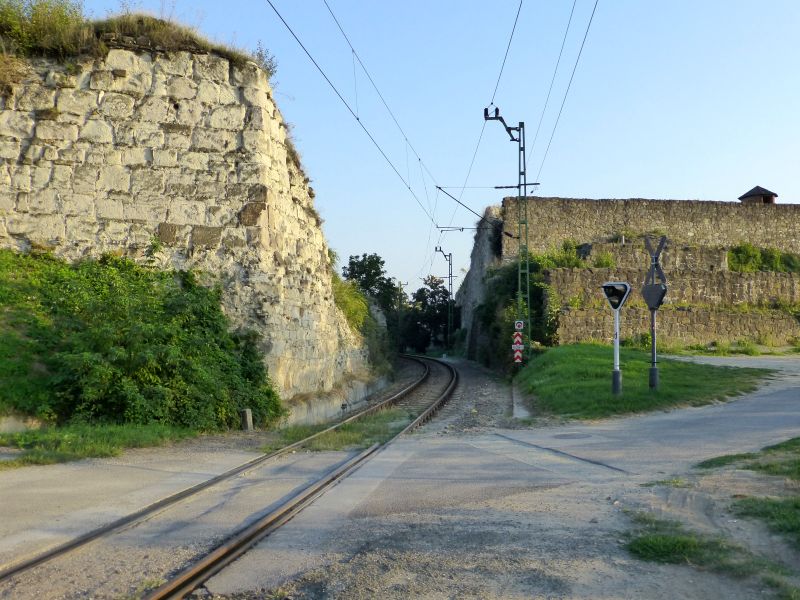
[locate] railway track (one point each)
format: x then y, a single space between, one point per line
421 401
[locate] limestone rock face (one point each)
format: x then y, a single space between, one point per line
180 159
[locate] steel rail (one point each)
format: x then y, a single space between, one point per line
193 576
148 510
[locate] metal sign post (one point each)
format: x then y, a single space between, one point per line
653 294
617 293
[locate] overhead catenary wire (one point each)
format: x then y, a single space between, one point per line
508 47
552 81
409 145
483 127
349 108
566 93
375 87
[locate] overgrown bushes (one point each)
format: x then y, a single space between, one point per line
746 258
499 310
109 341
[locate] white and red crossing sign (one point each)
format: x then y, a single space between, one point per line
517 346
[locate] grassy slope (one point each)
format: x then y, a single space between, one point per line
782 515
72 442
575 381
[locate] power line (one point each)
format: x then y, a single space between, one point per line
511 37
375 87
552 81
483 128
336 91
574 68
482 218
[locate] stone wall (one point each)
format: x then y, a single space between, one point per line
179 159
581 287
684 326
632 254
472 291
699 223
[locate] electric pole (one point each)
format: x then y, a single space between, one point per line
449 258
517 134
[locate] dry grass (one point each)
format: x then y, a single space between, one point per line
58 28
12 70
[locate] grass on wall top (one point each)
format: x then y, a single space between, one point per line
59 29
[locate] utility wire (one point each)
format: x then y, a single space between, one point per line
511 37
552 81
375 87
333 87
574 68
483 128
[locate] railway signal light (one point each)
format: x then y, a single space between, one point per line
617 293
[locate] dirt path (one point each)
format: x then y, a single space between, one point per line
469 508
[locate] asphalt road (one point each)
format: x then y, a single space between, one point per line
538 512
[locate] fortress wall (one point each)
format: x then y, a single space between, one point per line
179 160
694 222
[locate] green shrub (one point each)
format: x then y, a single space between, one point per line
746 258
604 260
350 300
109 341
348 296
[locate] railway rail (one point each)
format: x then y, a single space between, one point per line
240 541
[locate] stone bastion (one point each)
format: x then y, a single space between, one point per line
182 160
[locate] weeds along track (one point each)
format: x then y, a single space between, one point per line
286 496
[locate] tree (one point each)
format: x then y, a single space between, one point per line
427 318
368 272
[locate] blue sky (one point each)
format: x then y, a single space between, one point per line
683 99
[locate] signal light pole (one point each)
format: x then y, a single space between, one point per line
653 294
617 293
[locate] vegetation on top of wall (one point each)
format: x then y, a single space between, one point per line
59 29
746 258
107 341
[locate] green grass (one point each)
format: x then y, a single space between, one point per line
375 428
781 460
60 444
781 515
575 381
723 461
665 541
675 482
668 542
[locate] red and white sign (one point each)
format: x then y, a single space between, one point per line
517 346
519 325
